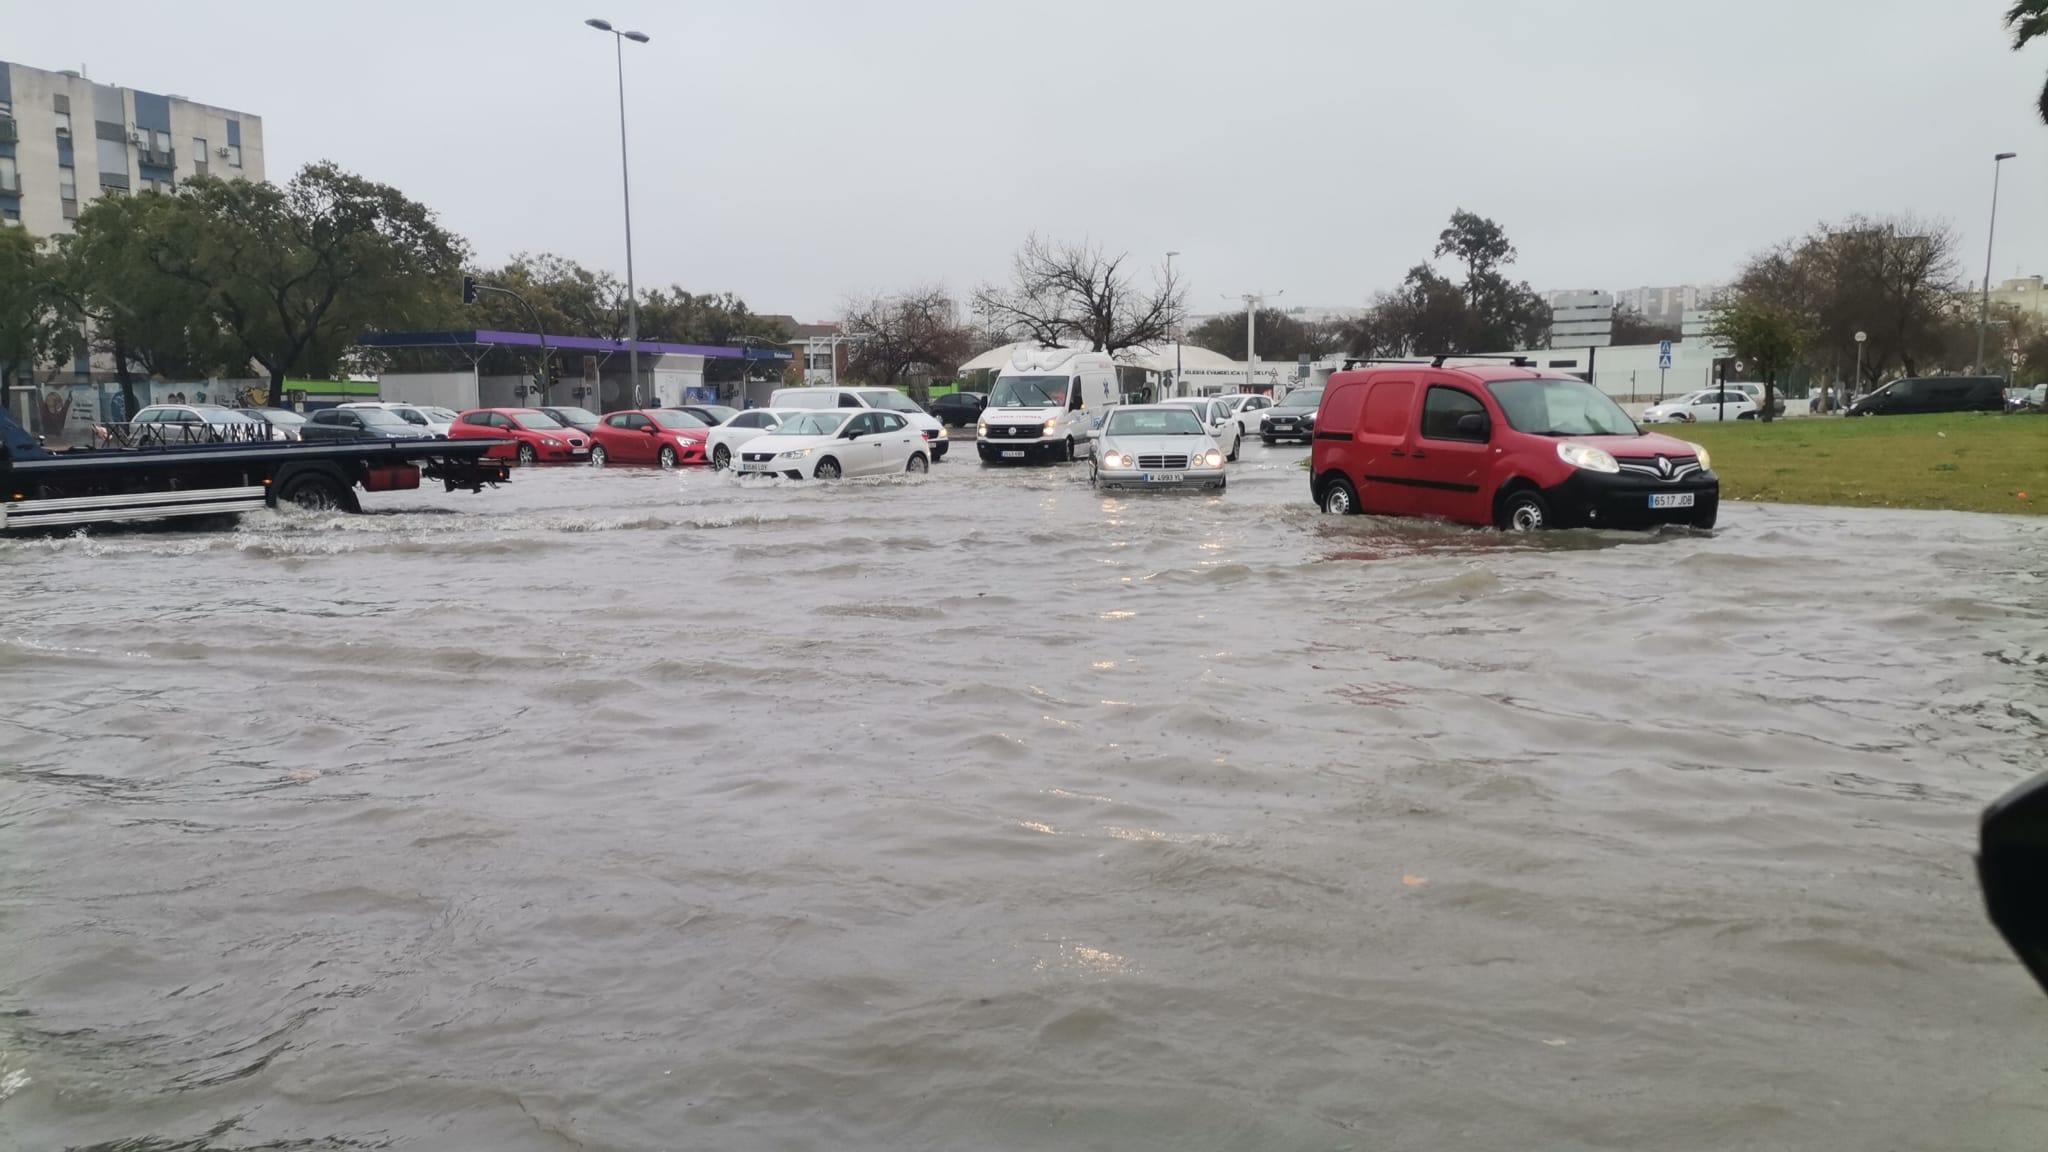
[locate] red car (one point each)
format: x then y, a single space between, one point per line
1499 444
665 436
536 436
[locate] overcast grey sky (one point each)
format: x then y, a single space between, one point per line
1316 146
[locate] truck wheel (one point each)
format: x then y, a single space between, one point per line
528 455
598 456
1524 511
317 493
721 459
668 458
1339 498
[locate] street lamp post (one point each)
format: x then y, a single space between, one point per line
626 185
1856 385
1984 309
1176 327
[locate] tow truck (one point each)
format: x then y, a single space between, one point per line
139 473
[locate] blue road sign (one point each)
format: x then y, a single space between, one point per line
1664 354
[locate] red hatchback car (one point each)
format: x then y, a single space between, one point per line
664 436
1499 444
535 436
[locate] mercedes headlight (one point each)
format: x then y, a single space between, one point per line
1114 460
1706 461
1212 459
1587 457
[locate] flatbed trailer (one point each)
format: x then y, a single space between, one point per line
41 488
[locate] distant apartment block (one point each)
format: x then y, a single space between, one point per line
65 140
2028 294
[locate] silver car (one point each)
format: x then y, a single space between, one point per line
1156 446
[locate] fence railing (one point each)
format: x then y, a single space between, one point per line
166 435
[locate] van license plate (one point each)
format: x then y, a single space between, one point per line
1013 455
1165 477
1672 500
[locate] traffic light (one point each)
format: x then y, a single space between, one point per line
469 289
554 372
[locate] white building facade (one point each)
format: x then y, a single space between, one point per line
66 140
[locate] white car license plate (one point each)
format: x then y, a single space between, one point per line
1672 500
1165 477
1018 455
754 465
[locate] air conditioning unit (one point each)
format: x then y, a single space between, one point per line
221 152
134 137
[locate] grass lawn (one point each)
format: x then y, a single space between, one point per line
1967 461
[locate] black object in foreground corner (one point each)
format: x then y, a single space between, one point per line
2012 865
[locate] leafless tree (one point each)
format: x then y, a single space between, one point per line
1060 292
898 333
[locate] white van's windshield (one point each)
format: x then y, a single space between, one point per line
1029 392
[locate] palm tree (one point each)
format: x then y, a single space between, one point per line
2028 21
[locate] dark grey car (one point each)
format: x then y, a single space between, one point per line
1293 418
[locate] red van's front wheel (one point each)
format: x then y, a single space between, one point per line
1339 498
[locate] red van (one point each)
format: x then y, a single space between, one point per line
1499 444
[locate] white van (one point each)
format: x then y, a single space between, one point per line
1044 403
847 396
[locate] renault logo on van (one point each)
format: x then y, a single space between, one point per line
1664 467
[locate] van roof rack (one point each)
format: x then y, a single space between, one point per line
1517 360
1351 362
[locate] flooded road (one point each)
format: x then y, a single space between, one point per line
630 810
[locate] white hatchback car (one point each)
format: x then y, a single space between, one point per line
723 442
1222 424
1156 446
1710 405
840 442
1246 408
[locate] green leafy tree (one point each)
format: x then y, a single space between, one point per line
1767 336
569 299
2028 21
294 275
1430 313
33 324
1278 336
129 308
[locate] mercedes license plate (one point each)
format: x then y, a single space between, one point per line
1672 500
1013 455
1165 477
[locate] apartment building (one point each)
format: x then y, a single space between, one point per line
66 139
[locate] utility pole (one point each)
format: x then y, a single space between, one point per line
1253 301
1176 327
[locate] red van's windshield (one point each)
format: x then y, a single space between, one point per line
1560 408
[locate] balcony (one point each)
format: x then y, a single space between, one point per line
168 158
8 132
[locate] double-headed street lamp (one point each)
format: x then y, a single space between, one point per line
1984 309
626 184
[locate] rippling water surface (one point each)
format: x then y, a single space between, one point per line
632 810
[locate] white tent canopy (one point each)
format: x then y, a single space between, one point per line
1160 359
